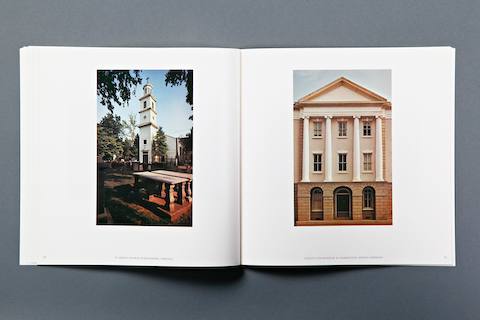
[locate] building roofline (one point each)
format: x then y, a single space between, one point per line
336 83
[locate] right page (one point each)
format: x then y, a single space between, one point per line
348 156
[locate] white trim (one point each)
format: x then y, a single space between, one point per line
346 112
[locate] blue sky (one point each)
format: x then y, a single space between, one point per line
307 81
173 111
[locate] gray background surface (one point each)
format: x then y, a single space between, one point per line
328 293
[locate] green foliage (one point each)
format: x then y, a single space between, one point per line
109 147
112 124
182 77
130 150
159 143
114 87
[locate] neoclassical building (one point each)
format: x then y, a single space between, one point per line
342 156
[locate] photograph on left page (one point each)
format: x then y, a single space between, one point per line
144 147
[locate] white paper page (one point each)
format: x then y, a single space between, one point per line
58 160
421 231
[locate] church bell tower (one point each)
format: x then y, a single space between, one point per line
147 124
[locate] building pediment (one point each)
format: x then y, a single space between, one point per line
342 92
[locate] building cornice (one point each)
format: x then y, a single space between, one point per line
342 111
146 109
148 124
148 95
329 104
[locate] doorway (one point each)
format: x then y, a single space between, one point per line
343 203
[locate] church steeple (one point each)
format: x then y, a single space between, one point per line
147 88
147 123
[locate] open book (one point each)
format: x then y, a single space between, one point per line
221 157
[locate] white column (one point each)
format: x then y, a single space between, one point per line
328 148
356 148
306 150
378 149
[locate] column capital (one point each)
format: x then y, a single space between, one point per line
305 117
378 117
356 116
328 117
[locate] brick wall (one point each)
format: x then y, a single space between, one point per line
383 203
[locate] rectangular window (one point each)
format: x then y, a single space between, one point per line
342 128
144 141
144 104
367 129
317 129
342 162
317 162
367 162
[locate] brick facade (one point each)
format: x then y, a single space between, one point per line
383 203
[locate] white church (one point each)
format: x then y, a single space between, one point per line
148 128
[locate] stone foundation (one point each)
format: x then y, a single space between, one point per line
383 203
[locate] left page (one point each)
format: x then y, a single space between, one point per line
130 156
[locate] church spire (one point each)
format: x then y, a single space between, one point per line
147 88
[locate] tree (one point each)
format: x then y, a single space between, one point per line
112 124
109 143
182 77
136 146
116 86
130 151
159 144
130 126
109 147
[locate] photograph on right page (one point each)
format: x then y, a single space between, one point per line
342 127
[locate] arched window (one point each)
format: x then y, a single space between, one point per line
368 203
144 104
316 204
343 203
